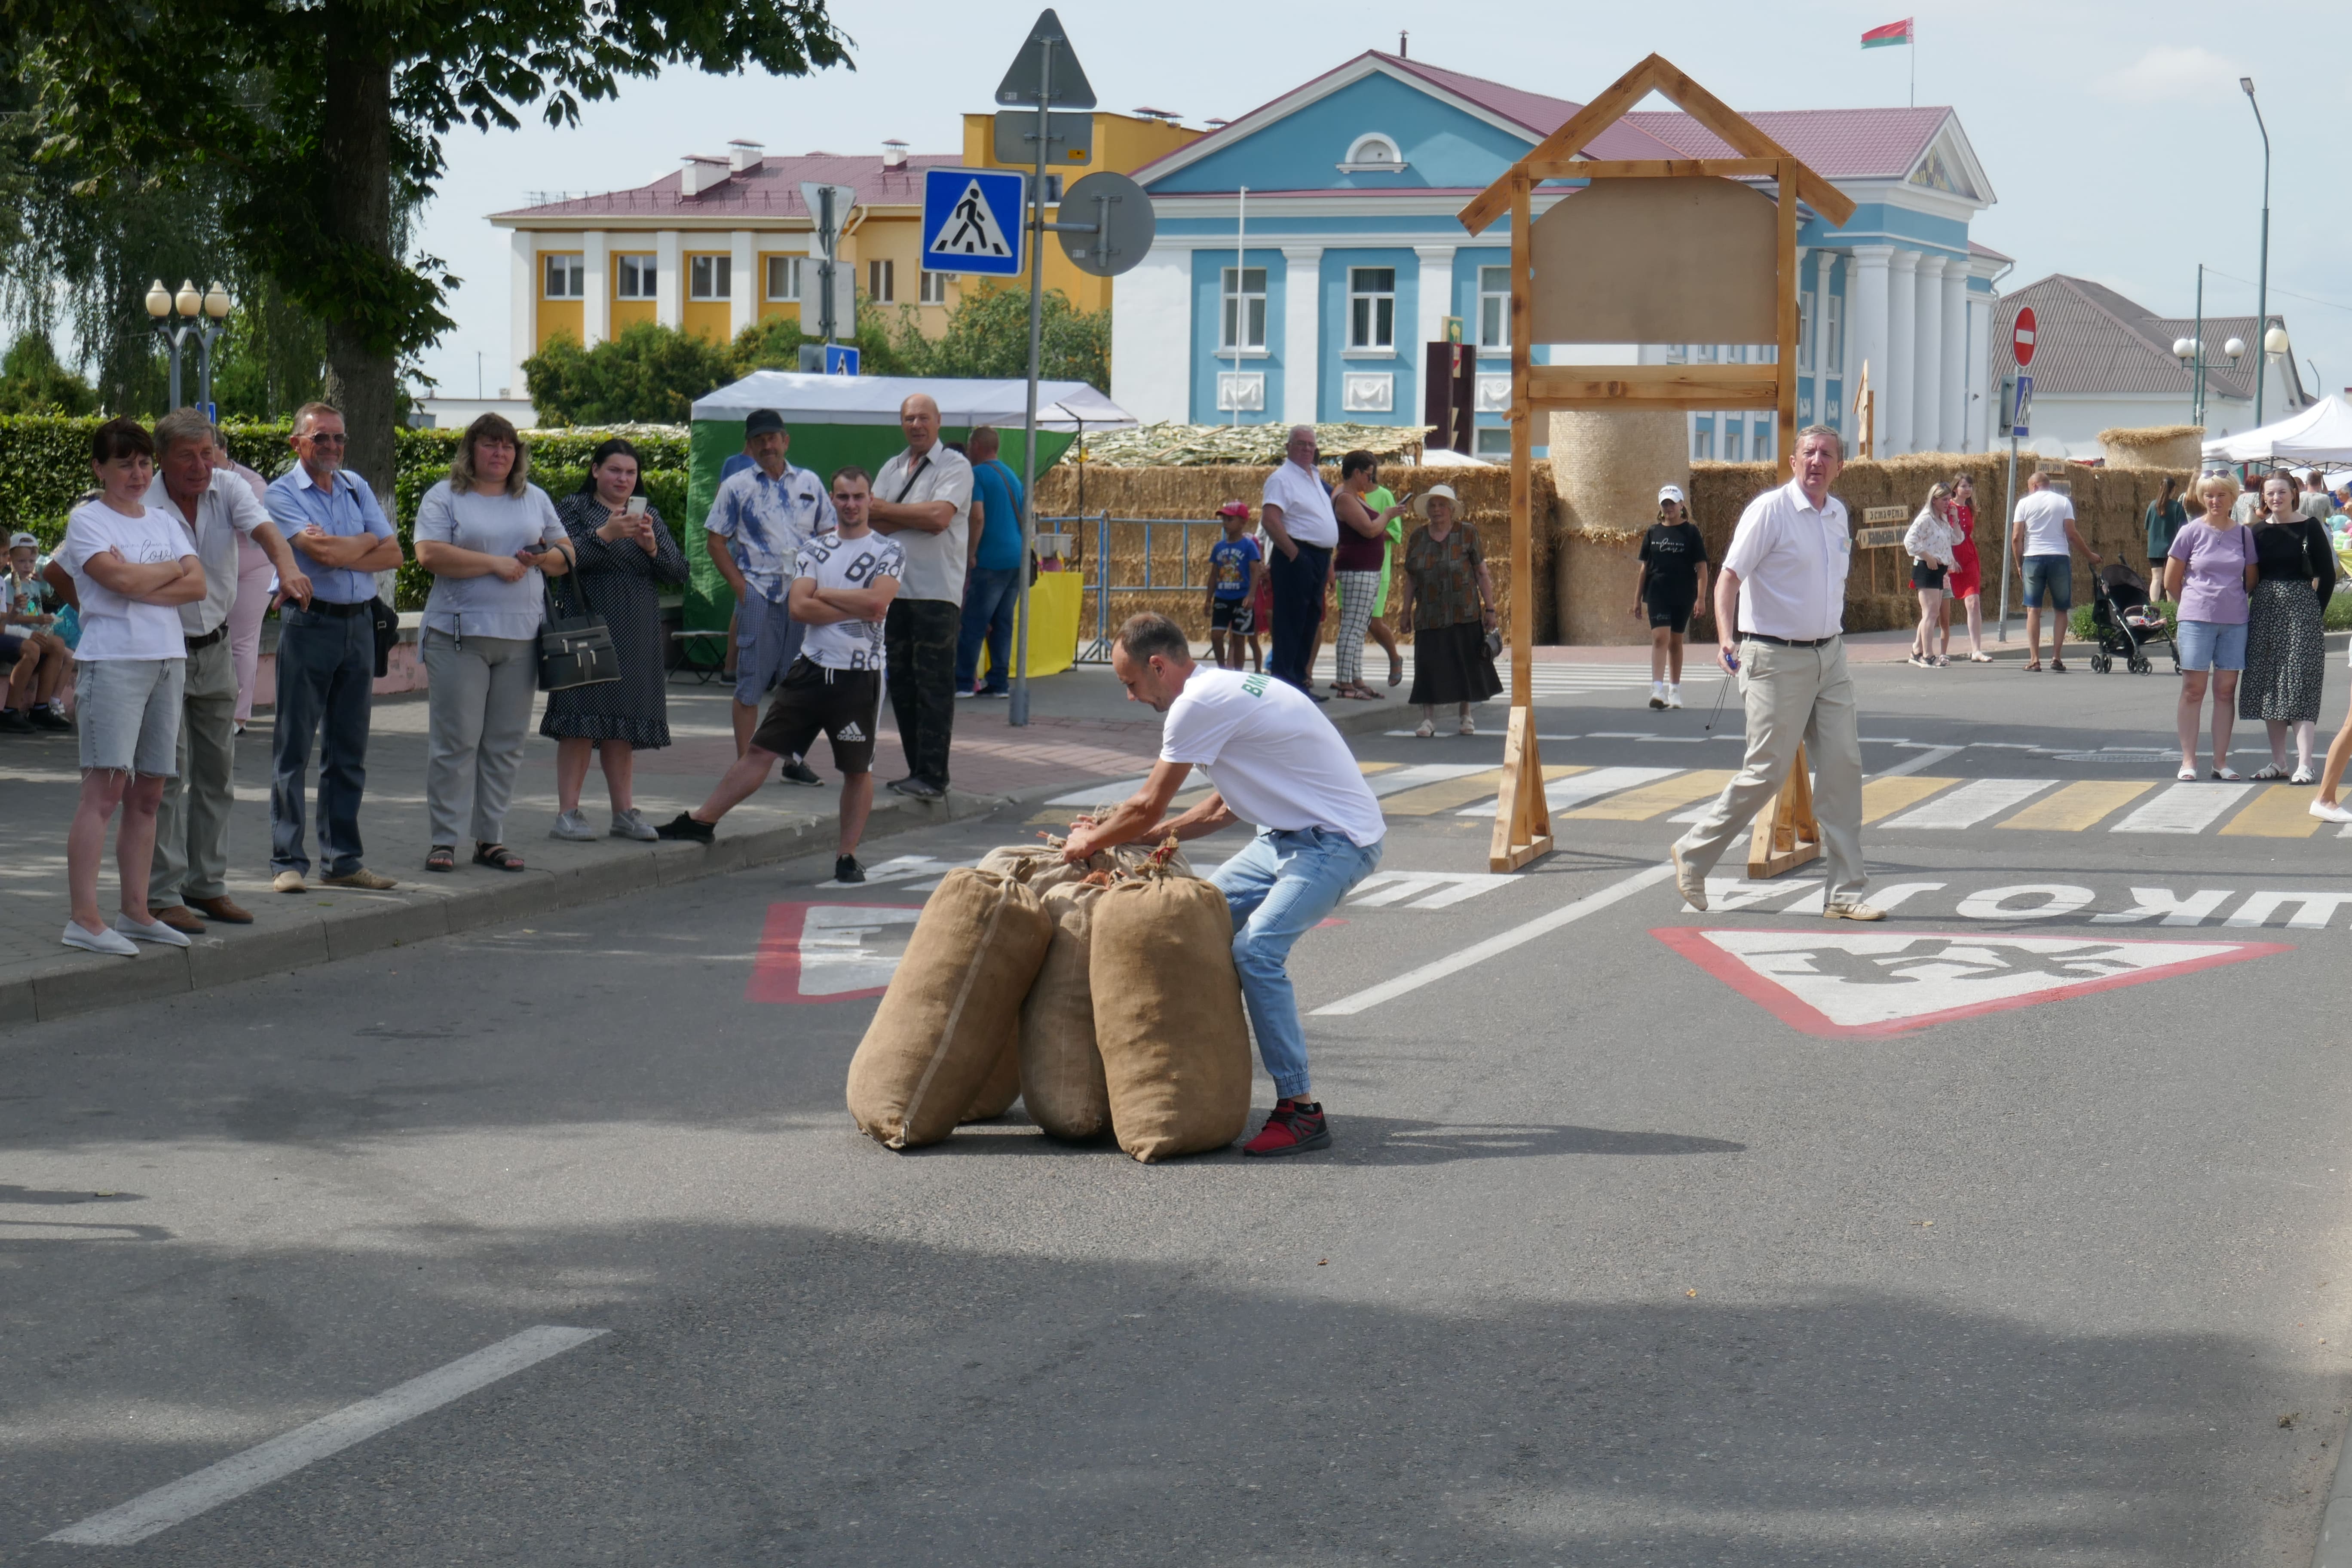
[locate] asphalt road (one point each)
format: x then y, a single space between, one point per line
1639 1245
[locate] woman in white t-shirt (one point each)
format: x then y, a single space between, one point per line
132 569
486 533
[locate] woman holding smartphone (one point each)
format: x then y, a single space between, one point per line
626 553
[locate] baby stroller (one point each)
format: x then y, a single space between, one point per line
2126 623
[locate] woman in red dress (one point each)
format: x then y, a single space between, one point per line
1965 582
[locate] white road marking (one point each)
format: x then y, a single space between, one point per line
282 1455
2183 809
2313 910
1396 780
1724 894
2148 903
1501 942
1919 763
1561 794
1427 889
1972 804
1888 897
903 868
2059 899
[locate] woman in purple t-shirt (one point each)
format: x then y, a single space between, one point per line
2209 573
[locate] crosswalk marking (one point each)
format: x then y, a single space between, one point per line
1572 792
1656 799
1431 798
2080 804
1885 796
1971 802
2282 811
1369 769
2184 808
1422 774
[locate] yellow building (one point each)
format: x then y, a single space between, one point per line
724 242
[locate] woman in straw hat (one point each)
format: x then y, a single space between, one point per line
1447 596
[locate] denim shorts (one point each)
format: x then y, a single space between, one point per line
127 711
2054 574
767 640
2211 644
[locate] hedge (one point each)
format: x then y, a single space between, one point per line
44 469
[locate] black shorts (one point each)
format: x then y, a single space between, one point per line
843 704
1232 616
1672 614
1926 576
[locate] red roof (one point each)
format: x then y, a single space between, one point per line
770 189
1835 143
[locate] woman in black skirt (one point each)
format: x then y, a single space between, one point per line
1448 599
2286 648
625 552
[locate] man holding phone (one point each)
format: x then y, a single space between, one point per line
1780 616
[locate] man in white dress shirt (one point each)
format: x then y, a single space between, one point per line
1298 519
1782 586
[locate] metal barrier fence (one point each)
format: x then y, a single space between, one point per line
1116 539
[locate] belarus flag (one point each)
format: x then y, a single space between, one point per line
1893 33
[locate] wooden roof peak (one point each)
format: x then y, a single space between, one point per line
1655 74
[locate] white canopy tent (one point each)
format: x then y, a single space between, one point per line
2319 434
1070 405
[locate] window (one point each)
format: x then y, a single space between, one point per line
785 277
1372 307
1834 334
934 287
1806 314
710 278
567 278
1494 307
633 276
1494 441
1245 312
1762 444
1372 153
1731 441
882 282
1702 443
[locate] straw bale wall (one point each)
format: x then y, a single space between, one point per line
1195 493
1607 467
2173 446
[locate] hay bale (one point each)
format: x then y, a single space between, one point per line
2154 446
1607 467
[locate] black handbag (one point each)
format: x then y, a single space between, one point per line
385 621
574 651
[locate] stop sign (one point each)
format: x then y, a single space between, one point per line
2021 336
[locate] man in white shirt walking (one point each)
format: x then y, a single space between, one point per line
1298 517
1780 616
2045 539
1275 762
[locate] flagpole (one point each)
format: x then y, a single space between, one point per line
1914 46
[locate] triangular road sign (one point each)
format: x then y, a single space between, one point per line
1068 89
1842 984
973 228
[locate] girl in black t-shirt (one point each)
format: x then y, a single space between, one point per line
1670 586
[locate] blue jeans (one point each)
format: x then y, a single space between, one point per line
326 682
1279 888
990 597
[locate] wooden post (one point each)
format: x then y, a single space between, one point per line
1785 259
1865 411
1522 815
1785 835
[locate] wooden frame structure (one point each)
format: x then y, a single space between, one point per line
1522 819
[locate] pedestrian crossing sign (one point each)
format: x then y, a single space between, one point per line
972 221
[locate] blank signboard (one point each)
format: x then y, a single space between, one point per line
1656 261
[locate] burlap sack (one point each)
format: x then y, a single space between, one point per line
1003 1085
1061 1070
1040 866
955 1001
1167 1017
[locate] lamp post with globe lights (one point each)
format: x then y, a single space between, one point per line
2262 284
198 316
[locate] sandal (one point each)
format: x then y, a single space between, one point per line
2303 775
2229 775
2187 775
2057 666
498 856
2033 664
1469 727
1980 659
1428 728
2268 773
442 857
1396 669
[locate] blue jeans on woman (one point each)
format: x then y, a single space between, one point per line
989 599
1279 888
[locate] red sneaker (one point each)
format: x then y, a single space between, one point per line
1294 1127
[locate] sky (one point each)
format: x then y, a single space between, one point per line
2114 135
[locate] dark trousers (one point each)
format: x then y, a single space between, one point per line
326 680
919 644
990 598
1298 612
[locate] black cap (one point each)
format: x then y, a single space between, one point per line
761 421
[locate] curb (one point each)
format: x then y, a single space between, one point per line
2335 1548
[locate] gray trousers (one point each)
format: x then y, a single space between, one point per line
1793 694
480 700
192 825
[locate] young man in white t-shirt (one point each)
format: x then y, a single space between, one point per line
842 586
1278 764
2045 538
132 568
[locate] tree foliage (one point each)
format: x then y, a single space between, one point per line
648 373
988 336
33 382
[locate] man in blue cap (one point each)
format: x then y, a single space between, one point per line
759 520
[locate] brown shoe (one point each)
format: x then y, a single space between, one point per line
181 919
224 910
362 878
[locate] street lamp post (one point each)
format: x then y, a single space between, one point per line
200 316
2263 287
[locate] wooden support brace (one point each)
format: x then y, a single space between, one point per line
1785 835
1522 815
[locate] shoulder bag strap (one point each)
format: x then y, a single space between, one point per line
913 474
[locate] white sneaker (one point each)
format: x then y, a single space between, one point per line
573 825
104 941
155 931
2328 811
1674 696
1657 694
632 824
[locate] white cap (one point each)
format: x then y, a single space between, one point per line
1671 492
23 541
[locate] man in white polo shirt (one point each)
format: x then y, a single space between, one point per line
1782 586
1275 762
1298 519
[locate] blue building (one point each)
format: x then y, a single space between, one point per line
1308 250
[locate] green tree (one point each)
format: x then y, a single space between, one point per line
649 373
324 119
988 335
33 382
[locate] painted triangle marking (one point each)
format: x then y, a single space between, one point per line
1840 984
829 952
972 228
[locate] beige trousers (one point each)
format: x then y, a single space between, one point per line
1793 694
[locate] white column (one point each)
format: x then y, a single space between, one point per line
743 287
1957 379
1436 303
596 287
669 289
1983 410
523 309
1902 349
1302 320
1799 368
1927 359
1869 297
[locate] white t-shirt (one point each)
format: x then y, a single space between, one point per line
833 561
1273 757
1306 514
113 626
1791 559
2045 514
934 561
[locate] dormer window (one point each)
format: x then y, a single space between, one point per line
1373 153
